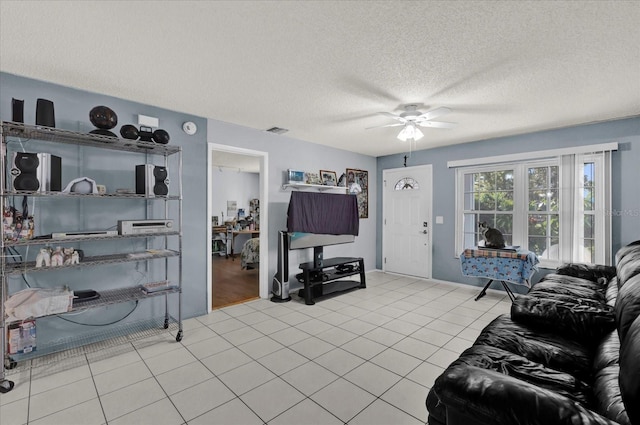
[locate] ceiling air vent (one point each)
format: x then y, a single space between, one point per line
277 130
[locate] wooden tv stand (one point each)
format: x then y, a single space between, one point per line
319 281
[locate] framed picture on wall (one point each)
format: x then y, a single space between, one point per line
328 178
358 184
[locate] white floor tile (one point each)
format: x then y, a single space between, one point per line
409 397
242 335
226 360
260 347
363 347
165 362
201 398
162 412
336 336
183 377
312 347
271 399
131 398
425 374
209 347
396 361
309 378
123 377
306 412
384 336
372 378
343 399
416 348
56 380
433 337
339 361
246 377
282 361
232 412
87 413
382 413
443 358
61 398
16 412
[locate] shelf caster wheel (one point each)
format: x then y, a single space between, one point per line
10 364
179 336
6 386
166 323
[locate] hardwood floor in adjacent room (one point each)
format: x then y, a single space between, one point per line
232 284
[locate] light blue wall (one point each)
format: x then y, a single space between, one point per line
625 178
115 170
286 152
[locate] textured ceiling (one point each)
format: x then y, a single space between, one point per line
323 69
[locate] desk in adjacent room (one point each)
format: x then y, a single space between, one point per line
503 265
234 233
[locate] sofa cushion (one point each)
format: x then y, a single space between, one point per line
508 363
607 398
572 286
627 305
590 272
546 347
490 397
584 320
630 371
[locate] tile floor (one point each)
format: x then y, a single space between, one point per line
364 357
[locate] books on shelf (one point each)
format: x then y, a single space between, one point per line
152 287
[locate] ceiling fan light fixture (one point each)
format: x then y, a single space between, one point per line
410 132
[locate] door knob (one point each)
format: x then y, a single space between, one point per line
423 232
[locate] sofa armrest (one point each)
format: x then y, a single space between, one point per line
493 398
591 272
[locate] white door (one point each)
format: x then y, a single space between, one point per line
406 223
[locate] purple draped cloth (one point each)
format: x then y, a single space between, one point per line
324 213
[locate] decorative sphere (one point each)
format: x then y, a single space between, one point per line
103 117
161 136
129 131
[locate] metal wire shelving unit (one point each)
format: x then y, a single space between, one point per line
99 338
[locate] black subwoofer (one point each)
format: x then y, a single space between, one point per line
152 180
36 172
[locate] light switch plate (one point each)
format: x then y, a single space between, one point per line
439 219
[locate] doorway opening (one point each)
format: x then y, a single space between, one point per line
238 228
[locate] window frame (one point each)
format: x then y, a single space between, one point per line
570 176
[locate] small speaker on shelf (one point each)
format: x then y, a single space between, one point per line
152 180
45 115
36 172
17 107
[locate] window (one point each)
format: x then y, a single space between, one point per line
406 183
554 207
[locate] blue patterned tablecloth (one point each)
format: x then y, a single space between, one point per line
510 266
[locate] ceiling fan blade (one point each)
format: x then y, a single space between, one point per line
437 124
395 117
433 114
382 126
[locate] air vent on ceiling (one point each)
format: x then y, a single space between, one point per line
277 130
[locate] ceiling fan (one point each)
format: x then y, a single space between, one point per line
411 118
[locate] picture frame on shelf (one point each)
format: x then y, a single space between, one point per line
312 178
296 176
358 184
329 178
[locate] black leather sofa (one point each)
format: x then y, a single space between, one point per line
569 353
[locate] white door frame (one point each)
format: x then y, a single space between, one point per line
385 172
264 219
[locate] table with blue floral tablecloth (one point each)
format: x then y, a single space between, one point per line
516 266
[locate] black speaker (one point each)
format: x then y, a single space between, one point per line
36 172
152 180
44 113
17 107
